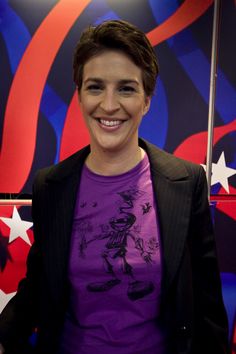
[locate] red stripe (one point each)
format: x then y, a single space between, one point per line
20 124
194 147
223 197
226 203
186 14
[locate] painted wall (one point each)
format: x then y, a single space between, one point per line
40 121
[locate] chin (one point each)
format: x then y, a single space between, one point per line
110 146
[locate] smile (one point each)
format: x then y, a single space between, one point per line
110 123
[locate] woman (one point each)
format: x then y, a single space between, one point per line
124 254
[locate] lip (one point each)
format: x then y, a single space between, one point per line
109 118
110 127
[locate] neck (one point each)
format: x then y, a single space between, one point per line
109 163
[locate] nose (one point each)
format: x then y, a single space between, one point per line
109 102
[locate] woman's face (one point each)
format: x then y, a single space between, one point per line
113 101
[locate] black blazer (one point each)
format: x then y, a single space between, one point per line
191 307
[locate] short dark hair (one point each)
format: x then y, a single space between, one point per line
118 35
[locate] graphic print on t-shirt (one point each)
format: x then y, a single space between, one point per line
118 230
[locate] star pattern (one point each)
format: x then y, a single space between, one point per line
221 173
18 227
4 298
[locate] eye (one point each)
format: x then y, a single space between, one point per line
126 89
94 88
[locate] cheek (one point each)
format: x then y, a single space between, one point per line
134 106
86 105
137 109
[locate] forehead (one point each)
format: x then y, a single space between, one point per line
112 64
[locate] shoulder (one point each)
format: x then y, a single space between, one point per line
61 170
170 166
176 172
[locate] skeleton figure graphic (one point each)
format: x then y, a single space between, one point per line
117 232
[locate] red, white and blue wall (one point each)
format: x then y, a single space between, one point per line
41 124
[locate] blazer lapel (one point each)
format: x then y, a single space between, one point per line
174 207
62 181
172 187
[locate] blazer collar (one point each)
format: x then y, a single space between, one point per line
173 191
69 166
162 163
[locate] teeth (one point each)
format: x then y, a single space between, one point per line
110 123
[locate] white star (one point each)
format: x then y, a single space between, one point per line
18 227
4 298
221 173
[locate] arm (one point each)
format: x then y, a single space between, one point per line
1 349
211 326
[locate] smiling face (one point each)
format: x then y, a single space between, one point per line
113 102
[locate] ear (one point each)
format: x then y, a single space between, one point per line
78 93
147 103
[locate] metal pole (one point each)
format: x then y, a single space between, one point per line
14 202
211 111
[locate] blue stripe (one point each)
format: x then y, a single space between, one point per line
155 123
17 37
191 58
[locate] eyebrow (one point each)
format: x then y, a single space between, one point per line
121 82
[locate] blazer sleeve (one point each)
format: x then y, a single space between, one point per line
19 317
211 325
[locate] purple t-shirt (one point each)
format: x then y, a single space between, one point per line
114 267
